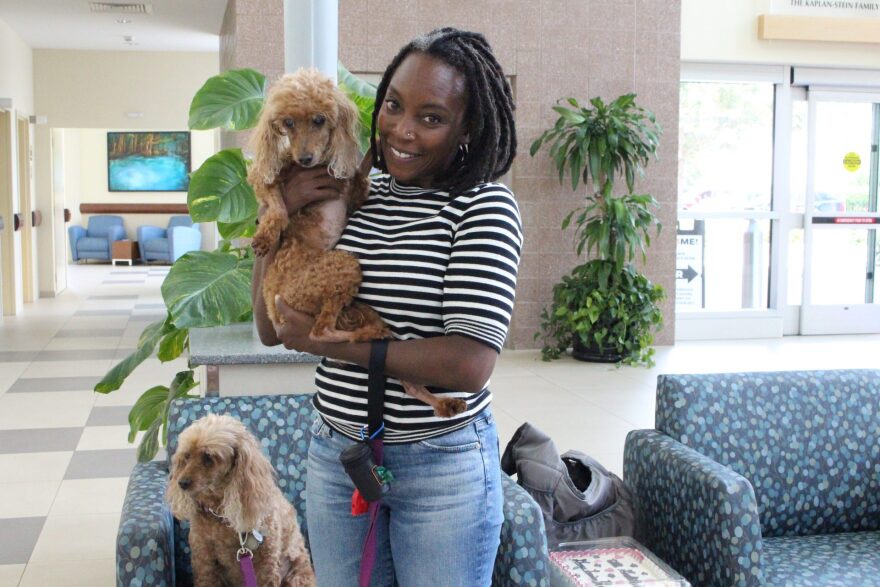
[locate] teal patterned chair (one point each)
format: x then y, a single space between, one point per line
152 547
762 478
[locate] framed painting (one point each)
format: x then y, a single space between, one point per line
148 161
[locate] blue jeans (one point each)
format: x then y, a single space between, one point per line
440 524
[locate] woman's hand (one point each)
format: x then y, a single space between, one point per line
300 186
294 332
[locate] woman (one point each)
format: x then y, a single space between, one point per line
439 247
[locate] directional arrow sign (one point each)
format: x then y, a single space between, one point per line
688 274
689 269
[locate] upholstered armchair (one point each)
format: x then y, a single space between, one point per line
762 478
169 244
152 547
95 242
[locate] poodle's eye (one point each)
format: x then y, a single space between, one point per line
207 460
319 120
288 122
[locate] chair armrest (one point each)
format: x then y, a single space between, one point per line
75 233
145 541
694 513
522 556
183 239
116 233
147 232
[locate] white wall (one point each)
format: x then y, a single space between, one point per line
16 70
727 31
94 90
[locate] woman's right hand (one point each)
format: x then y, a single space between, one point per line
300 186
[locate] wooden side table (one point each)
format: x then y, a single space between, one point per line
124 250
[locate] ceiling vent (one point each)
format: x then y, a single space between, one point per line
123 8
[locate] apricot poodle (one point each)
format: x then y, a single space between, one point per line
308 121
223 484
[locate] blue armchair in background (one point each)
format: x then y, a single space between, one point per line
169 244
95 241
762 478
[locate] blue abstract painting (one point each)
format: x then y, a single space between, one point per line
148 161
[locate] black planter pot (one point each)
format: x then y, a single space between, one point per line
592 353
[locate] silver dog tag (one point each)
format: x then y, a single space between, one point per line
254 540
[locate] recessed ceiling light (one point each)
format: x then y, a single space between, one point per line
123 20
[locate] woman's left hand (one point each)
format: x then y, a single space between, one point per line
294 332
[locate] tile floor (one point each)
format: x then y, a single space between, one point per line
64 459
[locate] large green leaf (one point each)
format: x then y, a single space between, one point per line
208 289
146 410
146 344
231 100
219 190
173 344
233 230
354 83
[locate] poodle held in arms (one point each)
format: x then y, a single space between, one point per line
223 484
308 121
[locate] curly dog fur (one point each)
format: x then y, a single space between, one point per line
223 484
308 121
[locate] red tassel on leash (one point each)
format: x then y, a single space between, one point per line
359 505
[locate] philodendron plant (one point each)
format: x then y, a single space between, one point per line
211 288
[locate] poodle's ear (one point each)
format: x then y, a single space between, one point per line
182 505
344 151
249 491
265 143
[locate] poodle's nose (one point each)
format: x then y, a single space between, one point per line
306 160
185 483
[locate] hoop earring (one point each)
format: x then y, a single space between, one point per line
463 150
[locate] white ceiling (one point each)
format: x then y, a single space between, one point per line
173 25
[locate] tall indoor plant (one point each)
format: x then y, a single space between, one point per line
211 288
604 309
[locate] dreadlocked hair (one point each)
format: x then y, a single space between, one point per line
489 115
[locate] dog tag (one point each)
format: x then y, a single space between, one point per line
254 540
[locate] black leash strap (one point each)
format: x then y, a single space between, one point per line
376 385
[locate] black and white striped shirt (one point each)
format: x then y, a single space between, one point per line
433 264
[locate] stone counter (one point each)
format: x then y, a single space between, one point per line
231 360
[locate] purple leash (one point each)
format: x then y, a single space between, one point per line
375 406
368 556
246 563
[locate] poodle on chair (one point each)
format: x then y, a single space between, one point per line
308 121
223 484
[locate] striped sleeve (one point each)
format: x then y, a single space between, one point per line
480 281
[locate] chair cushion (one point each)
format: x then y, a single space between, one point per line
806 440
282 423
845 559
90 243
156 245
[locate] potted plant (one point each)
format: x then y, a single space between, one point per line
211 288
604 309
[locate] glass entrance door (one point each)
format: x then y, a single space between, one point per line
841 219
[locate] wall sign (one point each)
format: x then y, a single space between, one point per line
832 8
690 289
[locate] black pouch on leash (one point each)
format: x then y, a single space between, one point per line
361 461
580 499
360 466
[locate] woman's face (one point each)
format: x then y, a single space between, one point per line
422 121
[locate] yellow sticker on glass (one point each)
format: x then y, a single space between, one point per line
852 161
